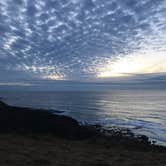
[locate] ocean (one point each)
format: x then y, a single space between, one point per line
141 110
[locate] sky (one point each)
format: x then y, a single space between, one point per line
82 40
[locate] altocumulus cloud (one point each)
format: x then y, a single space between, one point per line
82 39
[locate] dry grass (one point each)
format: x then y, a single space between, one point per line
17 150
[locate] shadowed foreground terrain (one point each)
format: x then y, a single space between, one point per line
17 150
31 137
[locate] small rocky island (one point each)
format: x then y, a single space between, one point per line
39 137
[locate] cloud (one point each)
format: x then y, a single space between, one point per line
74 39
14 84
147 62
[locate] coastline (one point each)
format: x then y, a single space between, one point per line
26 129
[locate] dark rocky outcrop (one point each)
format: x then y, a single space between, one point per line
27 120
17 120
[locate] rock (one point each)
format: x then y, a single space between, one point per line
143 138
40 121
26 120
3 106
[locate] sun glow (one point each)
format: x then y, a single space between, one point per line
133 64
53 77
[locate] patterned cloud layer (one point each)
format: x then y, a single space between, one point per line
81 39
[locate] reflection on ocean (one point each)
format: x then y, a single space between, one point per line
143 111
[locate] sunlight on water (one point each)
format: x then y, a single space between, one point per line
143 111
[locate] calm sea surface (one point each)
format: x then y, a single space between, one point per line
143 111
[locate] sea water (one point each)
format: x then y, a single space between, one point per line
141 110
